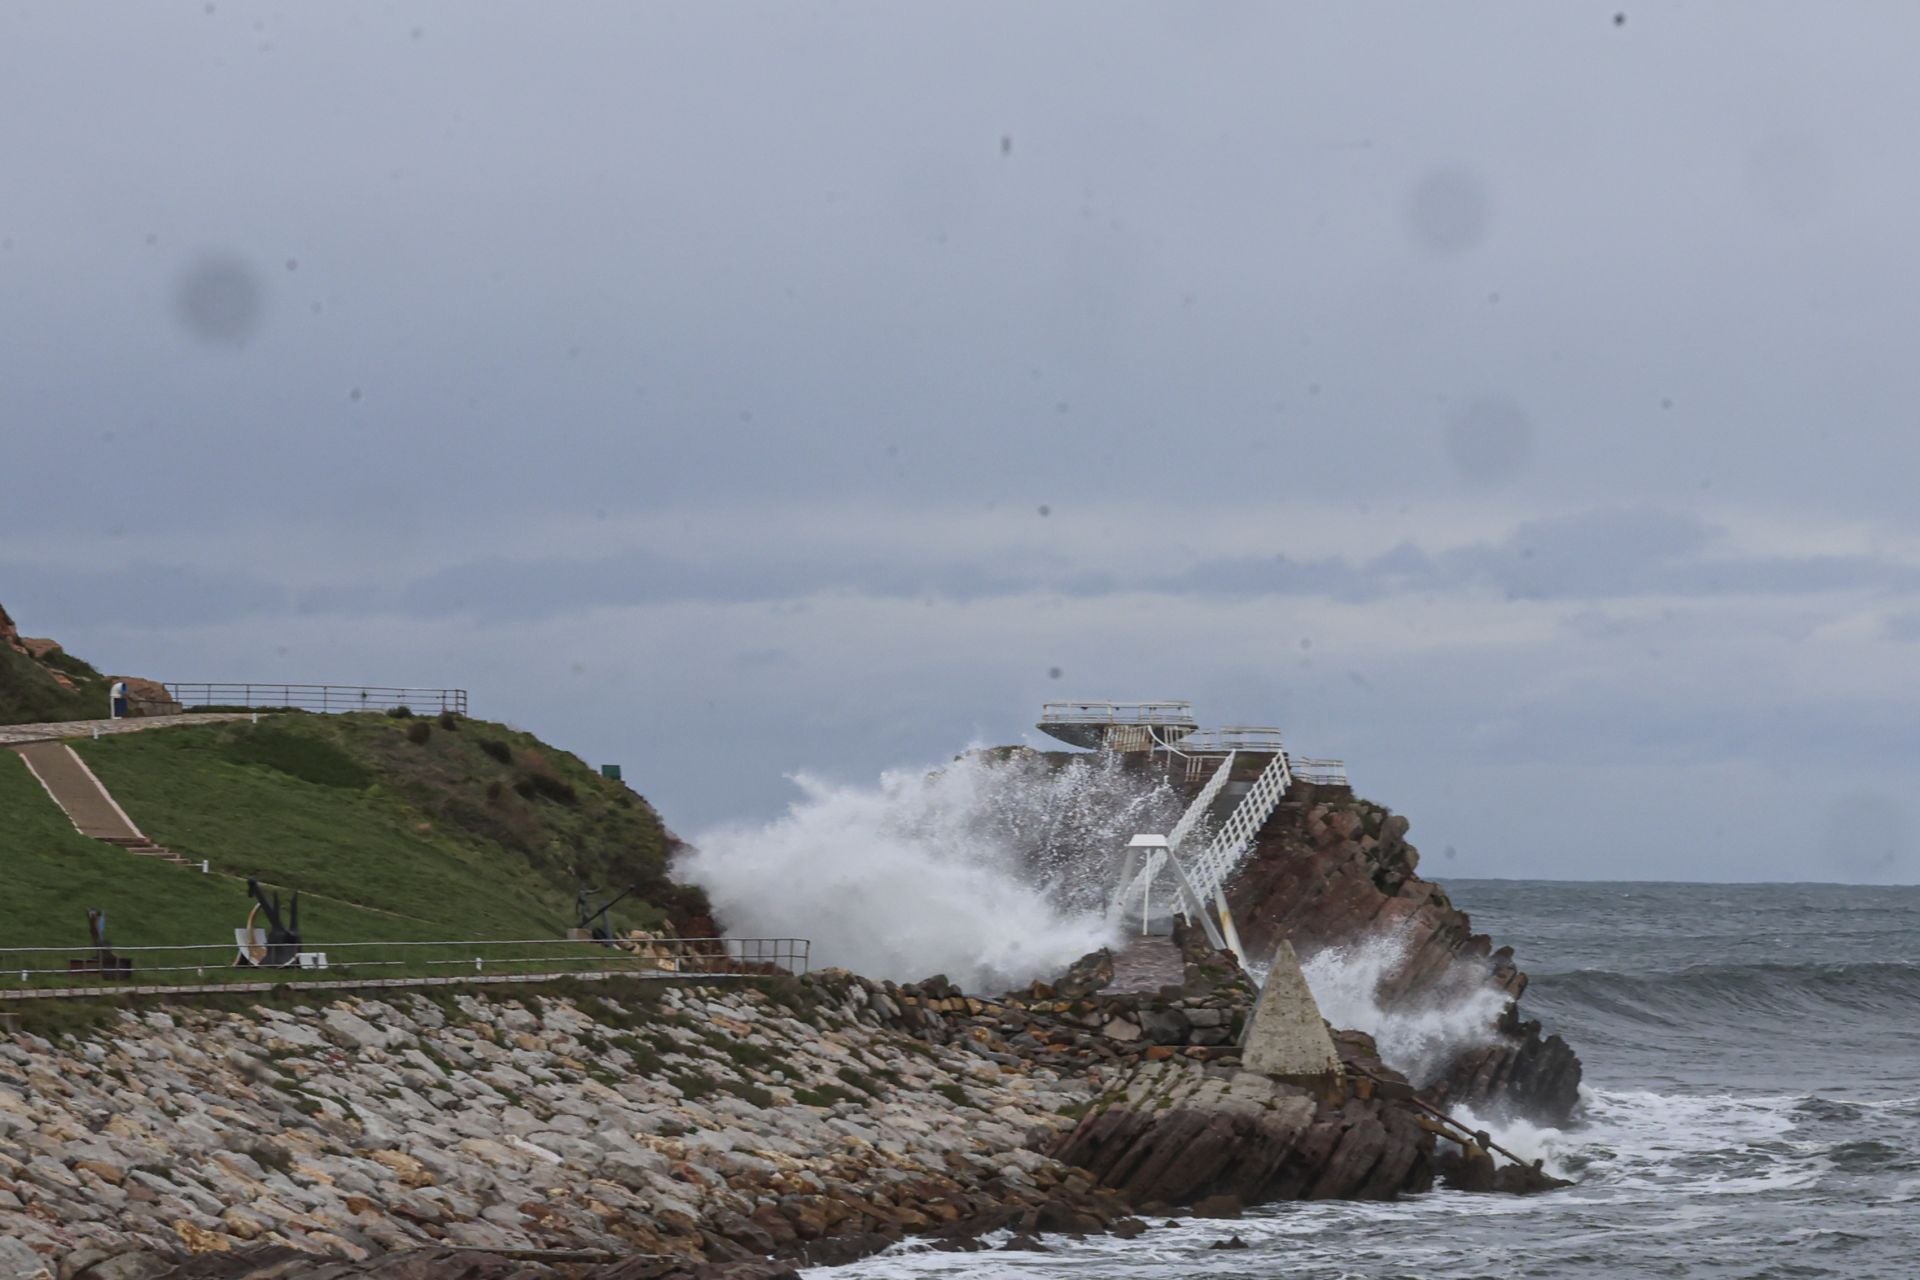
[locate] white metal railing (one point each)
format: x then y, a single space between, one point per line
1174 714
1156 861
1233 737
1222 856
1324 772
322 698
30 968
1200 882
1202 803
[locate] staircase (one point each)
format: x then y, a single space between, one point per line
1202 878
86 802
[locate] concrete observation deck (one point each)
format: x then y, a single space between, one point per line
1093 725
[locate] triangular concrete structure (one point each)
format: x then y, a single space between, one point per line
1287 1036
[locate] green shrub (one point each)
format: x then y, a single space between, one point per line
749 1055
546 786
497 749
749 1092
449 721
860 1080
419 732
402 712
302 756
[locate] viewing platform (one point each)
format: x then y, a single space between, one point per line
1170 726
1123 726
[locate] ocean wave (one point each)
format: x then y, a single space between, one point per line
1680 997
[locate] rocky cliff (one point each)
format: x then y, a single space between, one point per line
1333 870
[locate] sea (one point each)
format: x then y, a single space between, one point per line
1751 1108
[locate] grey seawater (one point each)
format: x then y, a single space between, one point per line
1752 1108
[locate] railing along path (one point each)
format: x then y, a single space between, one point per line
322 698
29 972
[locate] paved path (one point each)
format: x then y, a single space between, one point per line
86 801
1146 965
11 734
75 789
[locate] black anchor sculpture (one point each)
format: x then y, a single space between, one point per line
586 914
283 941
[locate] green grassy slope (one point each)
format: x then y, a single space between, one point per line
50 874
477 831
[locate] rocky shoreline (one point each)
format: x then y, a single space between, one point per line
633 1129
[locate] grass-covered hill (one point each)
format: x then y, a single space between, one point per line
392 828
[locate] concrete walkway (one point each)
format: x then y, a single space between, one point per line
86 801
73 787
11 734
1146 965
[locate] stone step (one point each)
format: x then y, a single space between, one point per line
157 851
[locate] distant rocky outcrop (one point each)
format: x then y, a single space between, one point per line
41 682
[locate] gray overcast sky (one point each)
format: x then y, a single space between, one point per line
1514 400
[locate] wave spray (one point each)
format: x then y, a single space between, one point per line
1418 1036
993 870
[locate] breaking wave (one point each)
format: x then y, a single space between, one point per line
993 870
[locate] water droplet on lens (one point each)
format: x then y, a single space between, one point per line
1489 441
219 298
1447 211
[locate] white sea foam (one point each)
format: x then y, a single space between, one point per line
1418 1038
992 870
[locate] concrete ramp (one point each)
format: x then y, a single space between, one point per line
1287 1036
74 788
85 800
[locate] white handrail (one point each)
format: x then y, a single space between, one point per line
1333 772
1223 854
